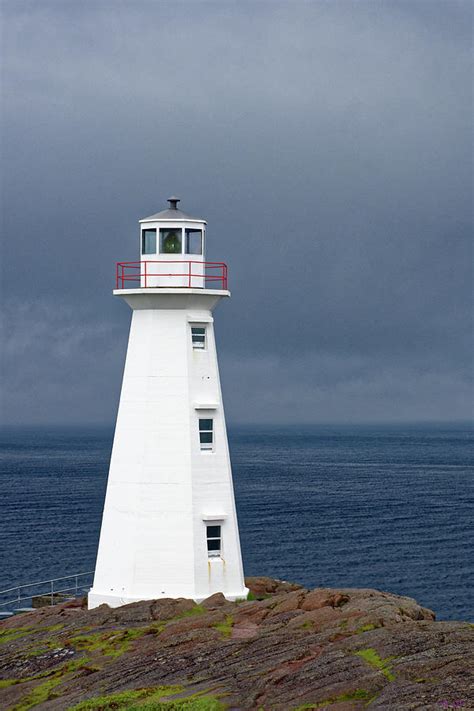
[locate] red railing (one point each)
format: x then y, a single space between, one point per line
157 273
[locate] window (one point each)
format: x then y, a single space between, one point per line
170 240
214 541
198 336
148 241
193 241
206 433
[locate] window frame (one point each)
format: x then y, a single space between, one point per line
206 446
187 230
194 343
179 233
214 553
143 236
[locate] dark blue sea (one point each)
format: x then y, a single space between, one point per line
381 507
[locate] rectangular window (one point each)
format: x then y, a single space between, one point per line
170 240
148 241
214 541
193 241
198 335
206 433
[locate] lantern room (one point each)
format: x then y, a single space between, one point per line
172 247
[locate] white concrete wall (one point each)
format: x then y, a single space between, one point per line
162 488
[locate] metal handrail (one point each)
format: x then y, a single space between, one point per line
140 272
49 591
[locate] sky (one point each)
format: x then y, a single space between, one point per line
327 144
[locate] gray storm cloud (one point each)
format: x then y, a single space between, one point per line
327 144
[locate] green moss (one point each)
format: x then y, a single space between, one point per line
308 625
4 683
110 644
137 698
358 694
225 628
203 703
196 610
262 596
41 693
14 633
366 628
371 657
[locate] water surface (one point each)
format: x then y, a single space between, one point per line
382 507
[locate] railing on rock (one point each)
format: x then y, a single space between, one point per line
54 588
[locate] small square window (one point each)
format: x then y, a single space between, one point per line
170 240
193 241
148 241
214 541
206 434
198 335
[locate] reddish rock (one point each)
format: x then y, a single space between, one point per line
216 600
167 608
244 630
262 586
342 649
291 601
316 599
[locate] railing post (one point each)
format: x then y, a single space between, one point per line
145 274
189 273
116 276
76 585
52 593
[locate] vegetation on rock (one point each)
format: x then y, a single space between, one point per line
284 649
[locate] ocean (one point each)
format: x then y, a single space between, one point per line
339 506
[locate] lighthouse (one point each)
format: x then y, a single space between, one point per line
169 526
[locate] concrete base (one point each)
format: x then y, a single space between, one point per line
96 599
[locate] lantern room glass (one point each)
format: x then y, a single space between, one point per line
193 241
149 241
171 239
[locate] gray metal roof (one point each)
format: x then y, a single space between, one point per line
171 214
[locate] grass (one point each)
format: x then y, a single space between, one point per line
44 691
371 657
150 699
41 693
14 633
196 610
366 628
358 694
225 628
65 668
110 644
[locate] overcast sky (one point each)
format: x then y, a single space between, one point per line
327 144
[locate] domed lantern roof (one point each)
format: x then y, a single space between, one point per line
172 214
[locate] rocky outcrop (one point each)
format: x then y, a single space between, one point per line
284 648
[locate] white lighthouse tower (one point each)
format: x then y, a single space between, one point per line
169 526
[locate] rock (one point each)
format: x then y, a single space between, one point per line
216 600
343 649
167 608
316 599
262 586
291 601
